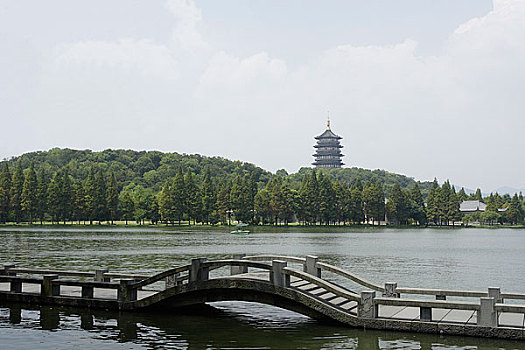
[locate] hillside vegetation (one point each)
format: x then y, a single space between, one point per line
80 185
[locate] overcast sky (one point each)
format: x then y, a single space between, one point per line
423 88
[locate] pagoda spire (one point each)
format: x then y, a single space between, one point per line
328 121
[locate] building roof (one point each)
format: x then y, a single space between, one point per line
472 206
328 134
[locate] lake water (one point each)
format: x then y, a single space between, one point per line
473 259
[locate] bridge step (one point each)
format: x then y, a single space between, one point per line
349 305
299 283
308 287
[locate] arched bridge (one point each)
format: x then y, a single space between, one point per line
305 285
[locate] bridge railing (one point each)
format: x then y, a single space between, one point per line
312 265
98 275
488 305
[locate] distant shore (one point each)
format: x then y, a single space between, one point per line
122 224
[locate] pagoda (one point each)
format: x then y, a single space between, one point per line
328 149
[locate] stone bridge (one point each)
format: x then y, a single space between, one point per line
304 285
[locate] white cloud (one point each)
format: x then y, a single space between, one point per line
186 32
450 115
127 55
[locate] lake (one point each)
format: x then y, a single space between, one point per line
473 259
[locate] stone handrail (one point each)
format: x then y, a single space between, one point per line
93 284
440 304
72 273
269 257
520 309
350 276
328 286
54 272
216 264
442 292
32 280
514 296
161 276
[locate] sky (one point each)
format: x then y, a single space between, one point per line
422 88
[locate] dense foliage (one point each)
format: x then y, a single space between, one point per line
67 185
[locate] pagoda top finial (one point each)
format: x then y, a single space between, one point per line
328 121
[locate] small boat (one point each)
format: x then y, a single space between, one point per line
240 229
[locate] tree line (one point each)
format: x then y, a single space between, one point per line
28 196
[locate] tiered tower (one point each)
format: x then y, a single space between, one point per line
328 149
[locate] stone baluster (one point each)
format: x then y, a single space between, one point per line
49 289
487 315
87 292
237 270
197 272
310 266
126 292
495 292
390 290
367 307
6 268
99 275
277 276
172 280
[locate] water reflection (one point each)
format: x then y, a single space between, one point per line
222 326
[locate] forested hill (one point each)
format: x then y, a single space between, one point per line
147 169
150 169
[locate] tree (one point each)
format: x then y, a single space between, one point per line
79 202
433 203
5 193
398 206
462 196
326 199
309 198
515 211
374 202
53 197
193 197
477 196
179 196
41 195
356 214
17 185
100 204
342 202
240 197
112 197
417 205
29 194
453 213
262 206
66 197
127 206
223 202
90 193
208 197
